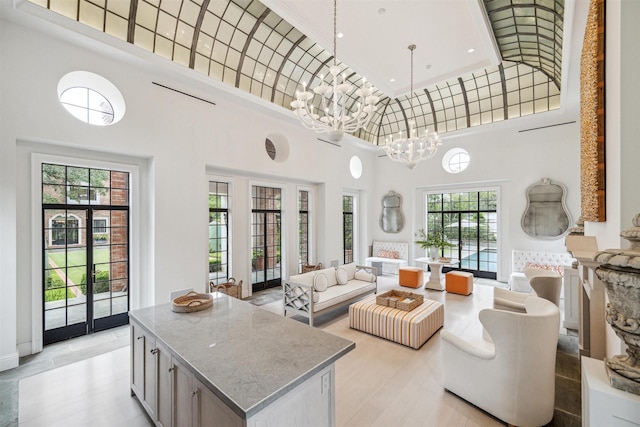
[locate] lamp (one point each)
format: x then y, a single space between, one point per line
412 149
333 118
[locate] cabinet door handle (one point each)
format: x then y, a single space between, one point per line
194 392
140 337
171 368
153 351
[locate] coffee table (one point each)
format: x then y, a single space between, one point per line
411 328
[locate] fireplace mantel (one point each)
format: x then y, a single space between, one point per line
591 300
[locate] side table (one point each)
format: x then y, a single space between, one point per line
435 278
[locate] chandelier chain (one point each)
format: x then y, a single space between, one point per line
413 148
335 30
411 48
332 116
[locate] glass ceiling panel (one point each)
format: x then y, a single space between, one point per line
244 44
522 26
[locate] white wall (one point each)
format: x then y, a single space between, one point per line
178 143
502 158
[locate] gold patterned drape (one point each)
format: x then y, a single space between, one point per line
592 115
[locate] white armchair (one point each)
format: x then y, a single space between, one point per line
512 377
545 284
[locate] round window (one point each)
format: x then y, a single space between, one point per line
91 98
455 160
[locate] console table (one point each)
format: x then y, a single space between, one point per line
232 365
591 300
591 296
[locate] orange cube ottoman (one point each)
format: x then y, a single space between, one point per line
411 277
459 282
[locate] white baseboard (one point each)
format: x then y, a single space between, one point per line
9 361
25 349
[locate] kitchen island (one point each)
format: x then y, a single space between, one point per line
233 364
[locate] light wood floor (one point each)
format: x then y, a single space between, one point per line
380 383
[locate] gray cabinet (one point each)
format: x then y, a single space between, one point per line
176 391
169 391
144 368
137 361
183 385
184 397
165 387
210 411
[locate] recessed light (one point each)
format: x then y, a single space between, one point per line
340 35
471 50
428 66
392 80
382 11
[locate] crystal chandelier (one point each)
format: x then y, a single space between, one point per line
412 149
333 118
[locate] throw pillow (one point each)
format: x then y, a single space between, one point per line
341 276
388 254
350 269
320 282
365 276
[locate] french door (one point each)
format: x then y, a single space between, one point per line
266 269
85 250
468 221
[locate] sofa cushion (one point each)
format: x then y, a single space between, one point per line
342 277
351 270
303 279
337 294
320 282
518 282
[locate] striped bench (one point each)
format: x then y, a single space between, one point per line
411 328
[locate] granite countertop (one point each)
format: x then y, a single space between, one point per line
247 356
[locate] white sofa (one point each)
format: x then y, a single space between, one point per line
520 260
316 292
392 255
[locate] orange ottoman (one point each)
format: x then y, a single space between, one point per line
459 282
411 277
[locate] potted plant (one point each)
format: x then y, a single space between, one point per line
435 241
257 259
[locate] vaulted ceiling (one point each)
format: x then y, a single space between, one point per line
478 61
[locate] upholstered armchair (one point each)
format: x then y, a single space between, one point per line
544 283
512 376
